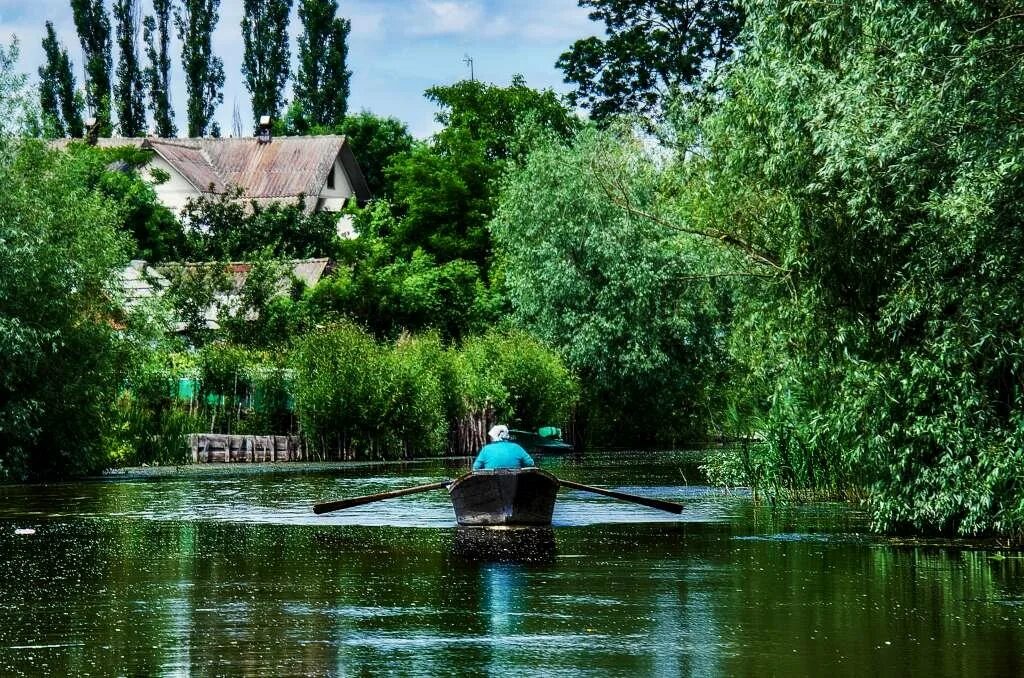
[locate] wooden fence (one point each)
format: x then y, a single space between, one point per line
216 447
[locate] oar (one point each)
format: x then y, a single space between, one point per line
370 498
669 506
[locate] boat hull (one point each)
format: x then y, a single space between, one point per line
504 497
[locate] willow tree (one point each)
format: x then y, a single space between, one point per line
620 297
870 154
157 35
204 72
93 25
128 94
266 58
60 104
322 81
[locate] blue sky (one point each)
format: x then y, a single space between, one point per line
397 48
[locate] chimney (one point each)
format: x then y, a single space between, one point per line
263 131
92 131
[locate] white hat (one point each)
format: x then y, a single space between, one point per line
499 432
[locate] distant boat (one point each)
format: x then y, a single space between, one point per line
545 440
505 497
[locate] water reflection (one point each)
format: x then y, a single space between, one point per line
152 579
529 545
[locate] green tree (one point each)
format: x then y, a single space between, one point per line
60 103
322 81
93 25
19 103
157 76
128 93
493 116
376 141
204 72
622 299
866 157
266 58
654 50
61 361
223 227
444 191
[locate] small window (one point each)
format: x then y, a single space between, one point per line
330 178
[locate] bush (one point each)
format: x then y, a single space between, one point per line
362 398
62 361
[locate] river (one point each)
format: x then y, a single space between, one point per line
233 574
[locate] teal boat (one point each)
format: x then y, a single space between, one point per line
545 440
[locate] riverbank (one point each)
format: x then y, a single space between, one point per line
261 468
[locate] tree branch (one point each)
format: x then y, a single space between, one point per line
754 253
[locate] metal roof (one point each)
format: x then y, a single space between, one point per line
285 167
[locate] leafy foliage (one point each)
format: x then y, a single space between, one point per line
128 92
61 105
266 59
614 293
391 294
655 49
869 157
375 142
372 399
61 361
204 72
93 25
225 228
157 76
322 81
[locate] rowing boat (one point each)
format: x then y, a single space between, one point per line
504 497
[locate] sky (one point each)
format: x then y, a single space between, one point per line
397 48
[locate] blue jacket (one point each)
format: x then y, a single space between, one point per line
502 454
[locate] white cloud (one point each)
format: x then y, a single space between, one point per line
445 17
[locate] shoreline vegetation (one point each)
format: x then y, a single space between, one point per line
810 234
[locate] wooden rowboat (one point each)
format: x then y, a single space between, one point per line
505 497
501 498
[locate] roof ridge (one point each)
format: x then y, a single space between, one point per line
175 141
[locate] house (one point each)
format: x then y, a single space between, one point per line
321 170
141 281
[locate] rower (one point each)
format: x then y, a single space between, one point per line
501 452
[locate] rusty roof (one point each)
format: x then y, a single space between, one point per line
284 167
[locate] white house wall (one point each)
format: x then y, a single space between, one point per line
174 192
334 198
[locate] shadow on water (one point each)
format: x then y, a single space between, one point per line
526 545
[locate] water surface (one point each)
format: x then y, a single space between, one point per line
235 575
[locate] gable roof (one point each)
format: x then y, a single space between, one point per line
283 168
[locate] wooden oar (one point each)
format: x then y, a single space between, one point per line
669 506
370 498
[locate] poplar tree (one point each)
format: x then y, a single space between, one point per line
156 32
93 25
322 83
61 107
204 72
128 96
266 58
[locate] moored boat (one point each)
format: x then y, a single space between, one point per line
543 441
504 497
